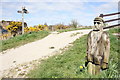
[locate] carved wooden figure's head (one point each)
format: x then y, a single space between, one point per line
99 23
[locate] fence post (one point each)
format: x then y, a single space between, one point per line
98 45
98 48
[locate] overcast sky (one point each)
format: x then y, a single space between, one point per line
57 11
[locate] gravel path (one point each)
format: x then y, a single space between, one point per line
38 49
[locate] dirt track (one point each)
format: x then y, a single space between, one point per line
39 49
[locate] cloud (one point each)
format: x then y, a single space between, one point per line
58 12
107 7
9 9
57 6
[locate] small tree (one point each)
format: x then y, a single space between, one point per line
74 24
3 21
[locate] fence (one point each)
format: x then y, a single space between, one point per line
102 15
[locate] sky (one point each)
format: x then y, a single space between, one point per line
57 11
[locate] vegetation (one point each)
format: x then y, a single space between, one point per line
23 39
14 27
74 24
68 64
36 28
115 30
71 29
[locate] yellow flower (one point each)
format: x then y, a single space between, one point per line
81 67
15 27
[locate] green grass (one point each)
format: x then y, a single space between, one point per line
71 29
23 39
115 30
67 64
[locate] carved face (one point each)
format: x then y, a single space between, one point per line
98 23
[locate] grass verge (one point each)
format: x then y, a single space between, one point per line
23 39
115 30
71 29
67 64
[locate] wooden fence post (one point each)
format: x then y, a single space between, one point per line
98 45
98 48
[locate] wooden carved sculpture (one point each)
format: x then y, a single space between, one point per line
98 48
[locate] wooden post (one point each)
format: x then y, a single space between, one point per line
98 48
98 45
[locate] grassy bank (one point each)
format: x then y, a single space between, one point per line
23 39
115 30
71 29
67 64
